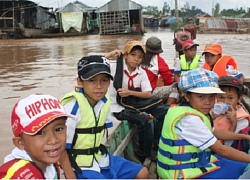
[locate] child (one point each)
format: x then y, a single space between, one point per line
90 104
155 66
134 77
236 118
222 65
189 60
38 124
187 140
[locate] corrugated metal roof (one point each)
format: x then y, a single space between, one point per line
76 6
119 5
212 24
216 23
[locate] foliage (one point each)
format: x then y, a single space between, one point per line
216 10
165 9
187 11
232 12
151 10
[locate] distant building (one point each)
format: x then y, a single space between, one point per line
121 16
77 17
223 25
150 21
26 13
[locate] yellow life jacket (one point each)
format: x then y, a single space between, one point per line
176 155
186 66
86 145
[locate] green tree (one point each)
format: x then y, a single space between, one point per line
151 10
166 9
186 6
216 10
233 12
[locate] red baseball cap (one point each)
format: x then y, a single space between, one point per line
34 112
188 44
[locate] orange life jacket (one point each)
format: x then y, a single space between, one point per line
220 66
221 122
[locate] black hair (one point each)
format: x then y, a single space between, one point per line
137 48
147 59
223 87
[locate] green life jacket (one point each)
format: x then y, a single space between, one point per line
86 145
176 155
185 66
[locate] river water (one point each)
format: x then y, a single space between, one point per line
49 65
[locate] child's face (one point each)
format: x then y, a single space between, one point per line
46 146
230 96
211 59
190 53
95 88
133 59
201 102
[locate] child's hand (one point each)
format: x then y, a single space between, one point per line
214 115
123 92
114 53
231 115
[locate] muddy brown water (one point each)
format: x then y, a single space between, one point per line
48 66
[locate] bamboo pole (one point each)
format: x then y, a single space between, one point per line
176 14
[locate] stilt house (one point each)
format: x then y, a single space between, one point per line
121 16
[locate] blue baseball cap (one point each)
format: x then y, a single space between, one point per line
200 81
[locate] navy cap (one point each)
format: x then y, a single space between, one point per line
90 66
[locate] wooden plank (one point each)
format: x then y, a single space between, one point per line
125 142
130 151
152 171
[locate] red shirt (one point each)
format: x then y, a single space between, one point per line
158 66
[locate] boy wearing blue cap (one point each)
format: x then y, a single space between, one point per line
187 140
90 104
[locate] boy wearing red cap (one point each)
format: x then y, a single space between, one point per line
222 65
38 124
189 60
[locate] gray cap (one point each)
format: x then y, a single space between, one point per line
153 45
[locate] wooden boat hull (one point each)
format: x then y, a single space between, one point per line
32 32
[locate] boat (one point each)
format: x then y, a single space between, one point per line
33 32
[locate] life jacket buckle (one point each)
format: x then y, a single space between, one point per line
194 155
171 143
193 165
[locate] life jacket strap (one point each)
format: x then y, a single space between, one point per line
183 166
89 151
92 130
203 156
170 142
72 153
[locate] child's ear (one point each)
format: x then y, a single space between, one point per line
79 82
186 96
18 142
125 55
240 99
